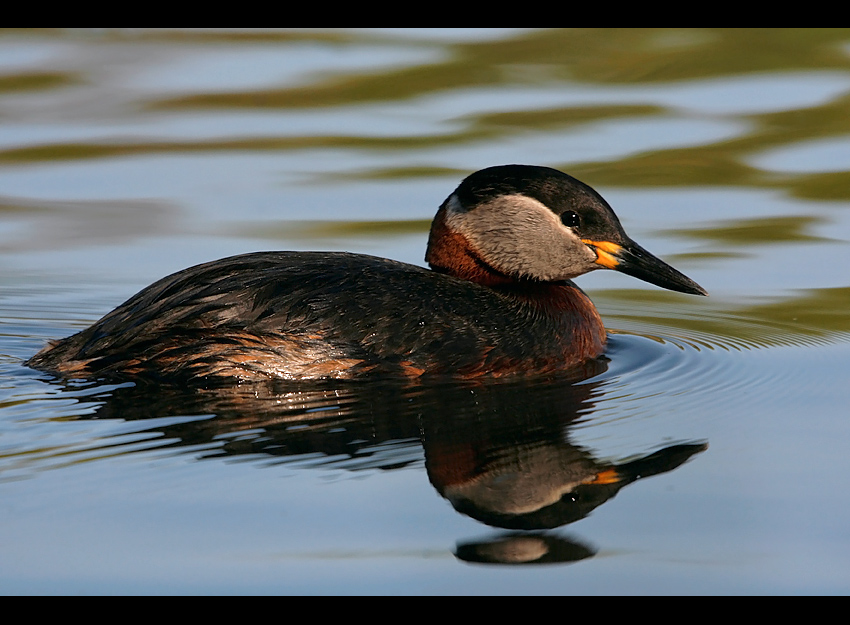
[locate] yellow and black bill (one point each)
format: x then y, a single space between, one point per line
630 258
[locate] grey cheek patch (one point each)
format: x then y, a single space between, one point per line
520 236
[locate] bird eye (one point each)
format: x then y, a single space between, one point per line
569 219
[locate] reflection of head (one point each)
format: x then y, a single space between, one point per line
544 486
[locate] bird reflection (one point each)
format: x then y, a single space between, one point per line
524 548
499 451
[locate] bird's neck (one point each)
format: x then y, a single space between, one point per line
561 301
449 252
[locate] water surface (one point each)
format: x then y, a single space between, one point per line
705 454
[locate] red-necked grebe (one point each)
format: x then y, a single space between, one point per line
498 299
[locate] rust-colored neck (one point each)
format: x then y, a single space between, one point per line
581 332
449 252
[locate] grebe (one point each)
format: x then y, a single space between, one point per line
498 299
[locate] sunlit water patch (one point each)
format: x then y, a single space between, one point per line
823 155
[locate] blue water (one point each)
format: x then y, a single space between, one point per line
127 155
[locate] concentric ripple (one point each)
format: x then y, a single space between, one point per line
674 369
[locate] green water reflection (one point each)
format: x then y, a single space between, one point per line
548 58
604 56
762 230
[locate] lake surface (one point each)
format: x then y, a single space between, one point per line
707 454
